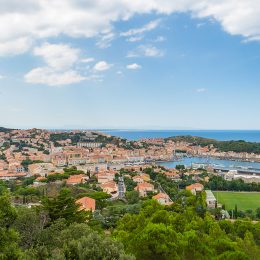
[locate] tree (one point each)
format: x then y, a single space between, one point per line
65 206
132 197
258 212
180 167
249 245
174 232
235 212
91 245
29 225
76 241
129 183
8 236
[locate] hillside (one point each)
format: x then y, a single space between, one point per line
5 130
223 146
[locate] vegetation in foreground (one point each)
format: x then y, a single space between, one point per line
185 230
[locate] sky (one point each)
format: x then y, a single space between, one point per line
121 64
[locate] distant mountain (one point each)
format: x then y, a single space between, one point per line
5 130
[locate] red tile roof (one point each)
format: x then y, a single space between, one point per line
87 203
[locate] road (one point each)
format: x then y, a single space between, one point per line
121 188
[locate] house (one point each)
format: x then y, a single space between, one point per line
163 198
109 187
76 179
143 188
87 203
59 160
194 188
171 175
145 176
39 181
106 176
141 178
88 144
15 167
41 169
5 175
138 179
210 199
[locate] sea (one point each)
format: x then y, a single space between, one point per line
221 135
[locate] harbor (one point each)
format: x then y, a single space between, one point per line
218 165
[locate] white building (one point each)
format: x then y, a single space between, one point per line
210 199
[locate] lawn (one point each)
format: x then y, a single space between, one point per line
243 200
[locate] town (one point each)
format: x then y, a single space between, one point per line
101 182
42 152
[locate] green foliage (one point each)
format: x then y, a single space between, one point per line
57 177
2 157
75 137
72 171
3 187
76 241
29 223
258 213
170 187
27 162
151 173
159 232
8 236
129 184
180 167
219 183
5 130
27 191
132 197
64 206
28 181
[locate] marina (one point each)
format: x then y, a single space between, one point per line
217 164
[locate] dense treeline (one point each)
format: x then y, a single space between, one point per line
218 183
75 137
224 146
175 232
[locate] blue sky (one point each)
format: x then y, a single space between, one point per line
146 69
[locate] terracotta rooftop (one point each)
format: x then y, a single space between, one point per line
87 203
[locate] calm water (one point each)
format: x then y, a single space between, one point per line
187 161
222 135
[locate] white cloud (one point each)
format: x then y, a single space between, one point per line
57 56
60 60
133 66
105 40
135 38
87 60
137 31
102 66
32 20
1 76
200 90
14 47
48 76
146 51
